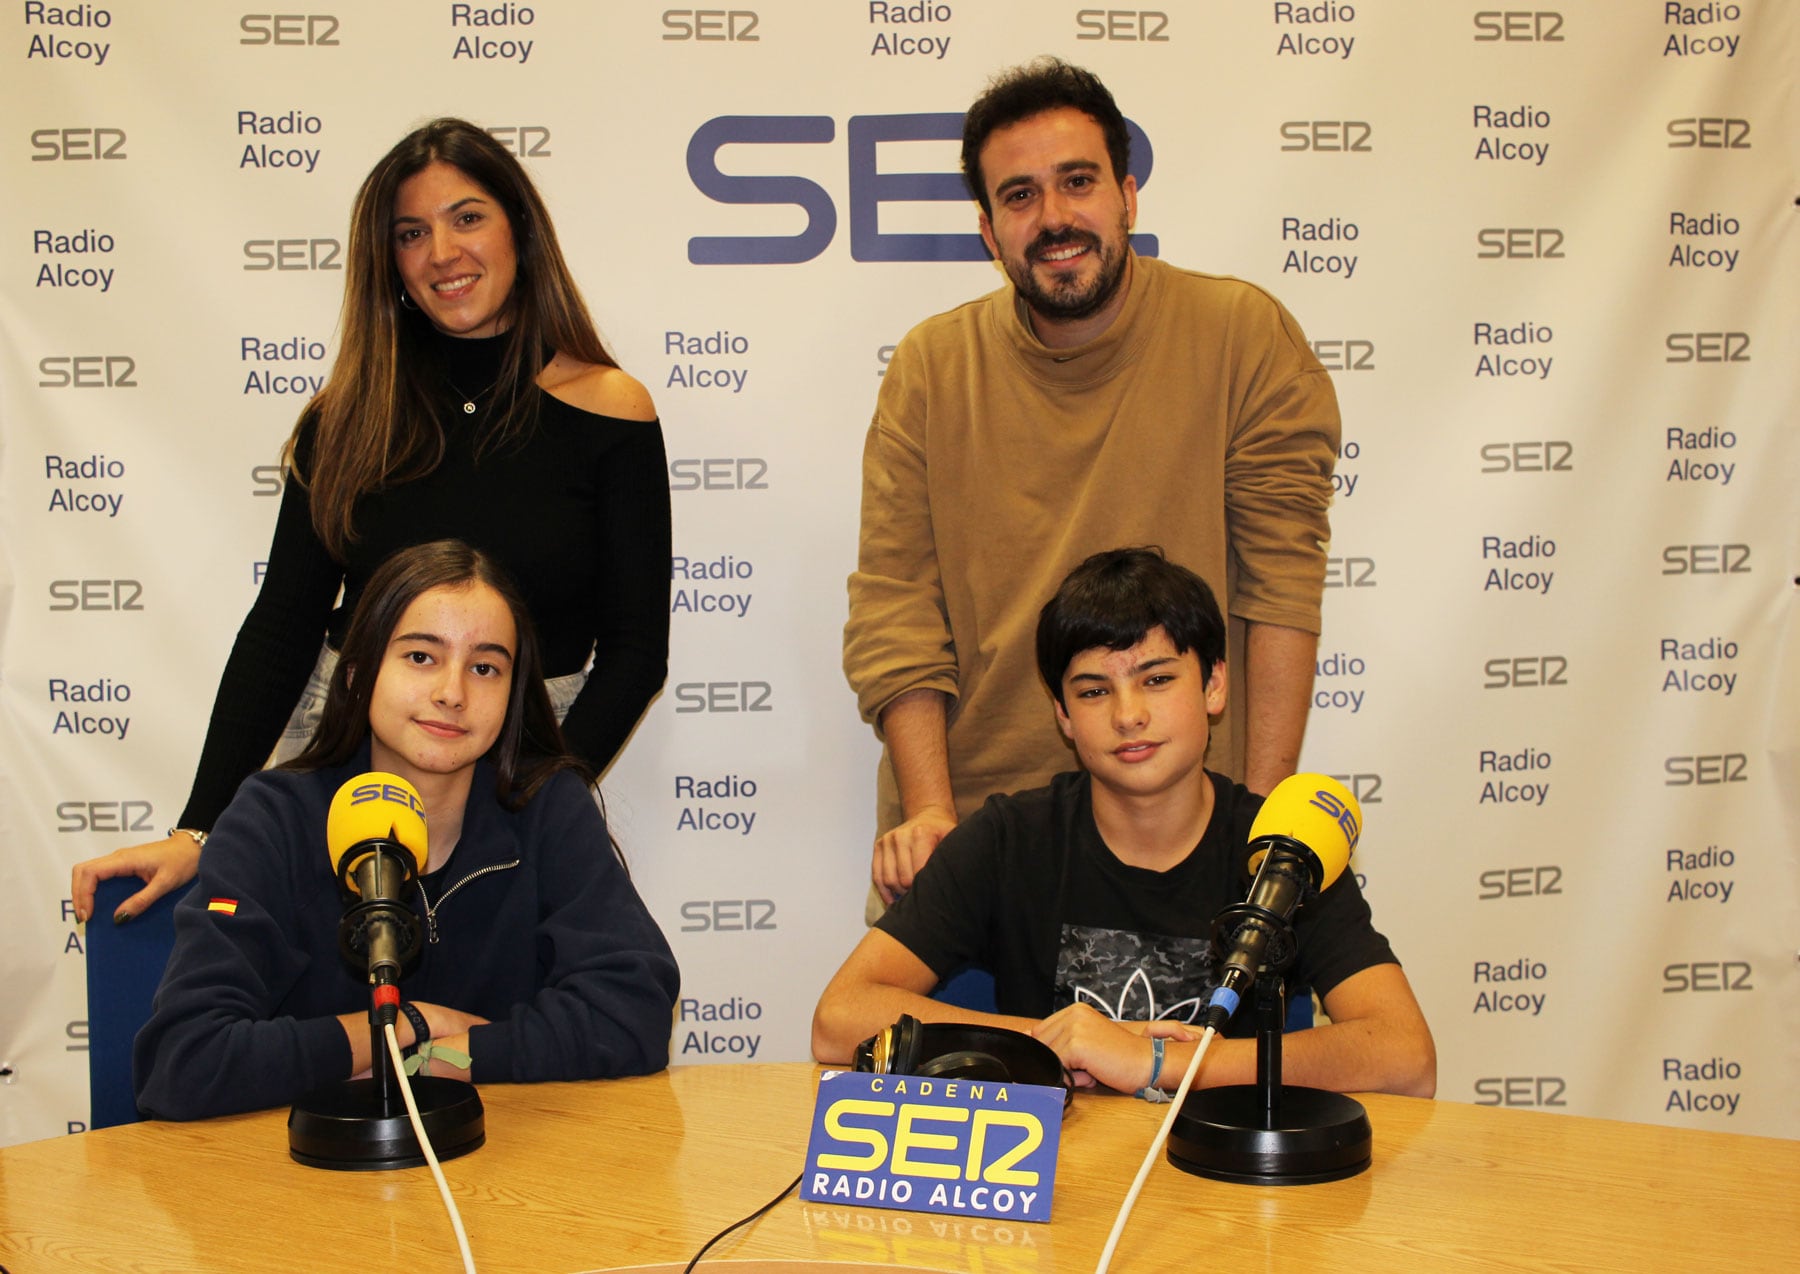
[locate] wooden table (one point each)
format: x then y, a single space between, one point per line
641 1172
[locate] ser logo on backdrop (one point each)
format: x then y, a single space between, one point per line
719 473
1520 882
718 25
1707 347
1525 672
104 816
728 915
1707 975
287 255
1519 243
1706 559
723 696
1350 572
1709 132
1135 26
1709 770
1350 136
1520 1090
527 141
301 30
74 145
869 188
1366 788
1551 456
87 371
1518 26
96 594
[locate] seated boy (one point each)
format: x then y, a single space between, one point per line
1092 900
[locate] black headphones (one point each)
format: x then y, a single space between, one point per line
957 1050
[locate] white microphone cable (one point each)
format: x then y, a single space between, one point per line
418 1126
1162 1135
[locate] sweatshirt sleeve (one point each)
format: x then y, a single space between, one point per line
631 648
1278 465
274 653
605 1007
898 634
212 1045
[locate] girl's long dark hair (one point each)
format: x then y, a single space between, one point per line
530 748
375 419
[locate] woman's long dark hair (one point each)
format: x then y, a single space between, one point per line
530 747
375 416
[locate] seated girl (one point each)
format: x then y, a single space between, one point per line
539 962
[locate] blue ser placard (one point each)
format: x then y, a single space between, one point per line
959 1146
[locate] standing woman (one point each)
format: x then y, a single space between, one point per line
471 398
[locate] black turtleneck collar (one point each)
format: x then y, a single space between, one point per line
472 363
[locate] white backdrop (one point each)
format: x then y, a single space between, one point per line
1550 254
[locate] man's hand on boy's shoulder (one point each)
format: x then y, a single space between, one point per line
901 854
1099 1050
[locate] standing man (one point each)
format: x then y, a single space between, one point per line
1101 399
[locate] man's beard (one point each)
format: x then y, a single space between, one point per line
1069 298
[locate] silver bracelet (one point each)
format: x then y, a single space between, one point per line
199 836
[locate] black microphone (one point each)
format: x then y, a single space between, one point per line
376 833
1300 843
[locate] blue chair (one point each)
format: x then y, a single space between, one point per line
124 965
970 987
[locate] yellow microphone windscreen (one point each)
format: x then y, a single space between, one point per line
1317 811
374 806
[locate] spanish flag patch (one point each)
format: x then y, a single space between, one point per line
226 905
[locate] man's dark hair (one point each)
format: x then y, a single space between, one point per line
1043 84
1114 598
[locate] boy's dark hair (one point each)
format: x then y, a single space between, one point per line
1116 597
1043 84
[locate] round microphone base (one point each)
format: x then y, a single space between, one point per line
1315 1136
343 1127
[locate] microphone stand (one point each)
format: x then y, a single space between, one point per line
361 1125
1270 1133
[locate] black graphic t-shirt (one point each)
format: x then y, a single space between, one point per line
1025 887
